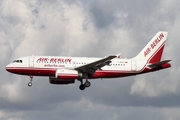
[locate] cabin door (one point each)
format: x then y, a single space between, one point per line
133 65
31 61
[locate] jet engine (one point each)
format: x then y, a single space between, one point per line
54 80
68 74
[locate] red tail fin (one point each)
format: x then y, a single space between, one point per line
157 56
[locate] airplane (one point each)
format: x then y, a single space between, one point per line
65 70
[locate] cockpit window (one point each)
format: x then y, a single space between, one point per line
17 61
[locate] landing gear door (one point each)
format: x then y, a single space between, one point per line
31 61
133 65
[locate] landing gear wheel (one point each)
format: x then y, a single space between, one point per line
87 84
82 87
30 84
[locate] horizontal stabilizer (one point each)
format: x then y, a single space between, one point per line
158 64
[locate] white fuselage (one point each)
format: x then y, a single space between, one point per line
47 66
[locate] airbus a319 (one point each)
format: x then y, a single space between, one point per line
65 70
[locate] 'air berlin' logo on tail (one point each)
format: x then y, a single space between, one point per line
153 44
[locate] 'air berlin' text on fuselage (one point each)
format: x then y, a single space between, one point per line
153 44
54 60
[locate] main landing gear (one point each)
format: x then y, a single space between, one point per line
86 84
30 83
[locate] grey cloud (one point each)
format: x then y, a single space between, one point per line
88 28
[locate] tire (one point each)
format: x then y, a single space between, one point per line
82 87
87 84
30 84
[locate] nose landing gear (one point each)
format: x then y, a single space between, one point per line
30 83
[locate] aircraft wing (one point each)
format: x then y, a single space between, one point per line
154 65
93 66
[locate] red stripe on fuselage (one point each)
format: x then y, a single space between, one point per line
97 74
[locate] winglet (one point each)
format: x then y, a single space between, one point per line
118 55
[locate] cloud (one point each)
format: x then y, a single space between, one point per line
88 28
154 86
11 115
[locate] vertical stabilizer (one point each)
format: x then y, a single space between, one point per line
152 52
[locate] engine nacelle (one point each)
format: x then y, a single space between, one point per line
68 74
54 80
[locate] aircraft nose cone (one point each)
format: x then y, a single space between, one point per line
8 68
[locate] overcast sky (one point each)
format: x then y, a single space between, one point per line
94 28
